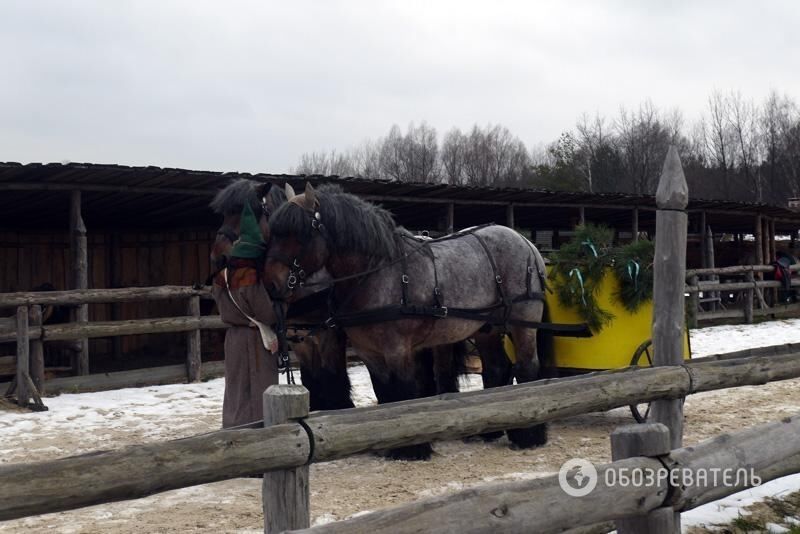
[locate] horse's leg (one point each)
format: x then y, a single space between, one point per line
496 368
324 371
526 369
447 363
411 379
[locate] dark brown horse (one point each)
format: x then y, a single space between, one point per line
392 292
322 357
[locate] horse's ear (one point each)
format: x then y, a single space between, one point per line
311 197
290 194
263 192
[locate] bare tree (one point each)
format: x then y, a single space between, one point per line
719 139
642 139
454 149
742 118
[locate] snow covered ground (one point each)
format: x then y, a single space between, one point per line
79 423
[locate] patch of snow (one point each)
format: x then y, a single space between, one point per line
725 510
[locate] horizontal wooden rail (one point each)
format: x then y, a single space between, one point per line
135 326
100 296
138 471
66 331
516 506
736 269
737 286
150 376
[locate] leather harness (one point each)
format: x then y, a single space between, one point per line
497 314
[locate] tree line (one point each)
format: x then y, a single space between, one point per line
738 149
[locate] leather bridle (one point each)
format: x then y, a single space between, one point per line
297 274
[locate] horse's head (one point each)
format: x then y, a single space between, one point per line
263 198
298 247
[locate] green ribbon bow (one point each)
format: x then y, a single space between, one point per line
577 273
633 273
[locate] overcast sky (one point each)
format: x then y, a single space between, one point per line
249 86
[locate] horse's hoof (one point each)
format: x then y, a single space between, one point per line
527 438
412 453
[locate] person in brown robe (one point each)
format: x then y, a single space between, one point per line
249 367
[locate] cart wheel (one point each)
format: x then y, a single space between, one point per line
642 356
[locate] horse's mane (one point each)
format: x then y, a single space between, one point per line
231 200
352 225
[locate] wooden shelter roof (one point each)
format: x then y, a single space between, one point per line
118 196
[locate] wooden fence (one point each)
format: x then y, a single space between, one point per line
142 470
752 296
27 330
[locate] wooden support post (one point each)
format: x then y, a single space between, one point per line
193 345
759 248
694 300
772 240
669 277
23 356
451 215
711 263
37 350
80 276
644 440
581 215
703 229
285 493
748 299
635 225
767 241
114 271
510 216
773 249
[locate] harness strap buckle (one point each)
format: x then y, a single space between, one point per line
404 279
498 279
330 322
291 281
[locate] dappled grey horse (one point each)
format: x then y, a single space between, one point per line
395 294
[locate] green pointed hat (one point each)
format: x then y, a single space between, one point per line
250 244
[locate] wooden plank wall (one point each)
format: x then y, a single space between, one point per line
127 259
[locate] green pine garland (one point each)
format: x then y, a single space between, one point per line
580 265
633 266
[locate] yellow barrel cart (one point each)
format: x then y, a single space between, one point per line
626 340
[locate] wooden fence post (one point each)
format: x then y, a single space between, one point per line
650 439
193 344
23 356
80 275
669 275
748 298
285 493
37 350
